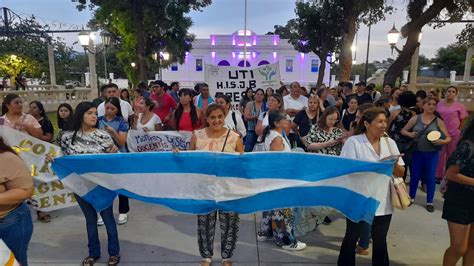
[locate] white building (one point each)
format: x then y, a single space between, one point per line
228 50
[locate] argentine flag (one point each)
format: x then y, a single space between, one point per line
199 182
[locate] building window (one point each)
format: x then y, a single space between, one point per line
289 65
314 65
223 63
263 62
241 63
198 65
174 66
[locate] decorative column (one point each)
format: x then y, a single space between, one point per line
468 64
52 68
93 71
414 69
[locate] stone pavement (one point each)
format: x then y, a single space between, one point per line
155 235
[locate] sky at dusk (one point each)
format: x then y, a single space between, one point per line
227 16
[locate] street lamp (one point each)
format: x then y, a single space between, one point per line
86 37
159 57
392 37
133 64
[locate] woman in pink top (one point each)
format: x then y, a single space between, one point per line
453 114
13 116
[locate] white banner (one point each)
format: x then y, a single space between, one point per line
141 141
50 193
233 81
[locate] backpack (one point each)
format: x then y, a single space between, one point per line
443 187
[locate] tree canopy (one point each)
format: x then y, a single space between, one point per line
143 27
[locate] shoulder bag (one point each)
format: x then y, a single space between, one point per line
398 189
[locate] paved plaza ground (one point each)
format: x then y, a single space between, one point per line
154 235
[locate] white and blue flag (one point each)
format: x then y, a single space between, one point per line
200 182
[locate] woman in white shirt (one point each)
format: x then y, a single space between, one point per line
147 119
369 144
279 224
233 120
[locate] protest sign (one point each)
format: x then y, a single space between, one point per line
49 193
141 141
233 81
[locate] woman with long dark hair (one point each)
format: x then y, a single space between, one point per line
252 111
369 144
16 185
114 123
246 98
187 117
64 115
39 113
13 116
85 138
458 208
278 225
307 117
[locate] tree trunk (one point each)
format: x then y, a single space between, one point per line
349 31
411 31
137 7
322 66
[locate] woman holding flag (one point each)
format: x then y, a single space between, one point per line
369 144
85 138
217 138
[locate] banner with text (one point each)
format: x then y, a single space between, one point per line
49 193
233 81
141 141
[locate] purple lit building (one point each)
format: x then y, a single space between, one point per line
228 50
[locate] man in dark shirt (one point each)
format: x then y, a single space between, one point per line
102 97
362 96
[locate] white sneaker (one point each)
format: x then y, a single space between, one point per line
99 220
122 218
295 247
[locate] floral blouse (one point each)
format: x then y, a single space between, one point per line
463 156
319 135
97 141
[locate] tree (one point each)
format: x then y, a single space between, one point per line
354 13
466 37
421 13
145 26
12 66
314 30
26 39
451 58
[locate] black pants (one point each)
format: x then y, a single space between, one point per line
124 206
380 228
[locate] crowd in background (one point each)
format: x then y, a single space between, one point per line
359 123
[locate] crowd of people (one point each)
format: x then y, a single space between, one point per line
426 134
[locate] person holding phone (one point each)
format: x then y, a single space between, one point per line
85 138
114 123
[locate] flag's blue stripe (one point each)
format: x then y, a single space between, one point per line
353 205
299 166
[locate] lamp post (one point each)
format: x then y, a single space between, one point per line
393 36
158 57
86 39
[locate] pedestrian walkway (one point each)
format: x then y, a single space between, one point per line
155 235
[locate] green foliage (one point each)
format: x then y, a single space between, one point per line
12 66
450 58
466 37
29 42
142 27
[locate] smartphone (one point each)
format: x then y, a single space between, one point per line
103 124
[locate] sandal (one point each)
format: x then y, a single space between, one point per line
226 262
206 262
43 217
89 261
114 260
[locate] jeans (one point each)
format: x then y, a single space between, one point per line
93 232
16 229
250 140
124 206
379 231
423 164
364 235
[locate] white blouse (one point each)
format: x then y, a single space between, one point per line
358 147
271 136
150 125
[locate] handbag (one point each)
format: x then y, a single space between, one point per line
398 189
